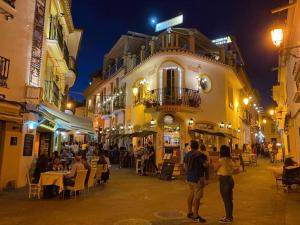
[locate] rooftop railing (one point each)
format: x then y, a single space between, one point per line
172 96
4 71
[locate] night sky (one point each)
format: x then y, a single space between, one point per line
250 21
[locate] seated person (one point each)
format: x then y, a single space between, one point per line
87 167
103 160
69 178
41 167
56 165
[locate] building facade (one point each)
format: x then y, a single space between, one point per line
286 93
172 88
38 51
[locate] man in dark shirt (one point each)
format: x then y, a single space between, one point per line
195 165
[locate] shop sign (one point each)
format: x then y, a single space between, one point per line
169 23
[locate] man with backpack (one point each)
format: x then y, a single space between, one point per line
195 165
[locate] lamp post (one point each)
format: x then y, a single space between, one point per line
191 122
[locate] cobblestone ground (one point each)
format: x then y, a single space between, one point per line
129 199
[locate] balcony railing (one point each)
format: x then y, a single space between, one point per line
56 33
172 96
113 68
51 93
119 102
4 71
11 3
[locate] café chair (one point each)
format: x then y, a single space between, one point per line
79 182
34 189
101 168
91 180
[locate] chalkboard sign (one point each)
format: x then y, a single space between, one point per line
167 171
28 145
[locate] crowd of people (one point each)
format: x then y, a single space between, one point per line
72 160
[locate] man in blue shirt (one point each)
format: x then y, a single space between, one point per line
195 166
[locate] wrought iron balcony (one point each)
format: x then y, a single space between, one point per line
51 93
55 31
172 96
119 102
4 71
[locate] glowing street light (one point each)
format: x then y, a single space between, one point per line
246 101
264 121
135 91
277 36
69 105
272 112
191 122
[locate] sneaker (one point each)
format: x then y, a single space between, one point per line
225 220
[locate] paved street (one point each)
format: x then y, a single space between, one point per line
131 199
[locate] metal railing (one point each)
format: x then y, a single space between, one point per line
113 68
56 33
12 3
172 96
51 92
4 71
119 102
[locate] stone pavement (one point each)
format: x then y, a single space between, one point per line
129 199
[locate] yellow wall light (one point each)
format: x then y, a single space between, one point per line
277 36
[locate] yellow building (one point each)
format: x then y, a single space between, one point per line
172 88
268 128
287 92
38 51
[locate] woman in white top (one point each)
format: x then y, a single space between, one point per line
225 171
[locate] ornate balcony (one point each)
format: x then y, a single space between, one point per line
4 71
172 99
51 93
57 45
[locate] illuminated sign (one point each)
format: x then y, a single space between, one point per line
222 41
169 23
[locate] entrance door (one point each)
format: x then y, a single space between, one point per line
45 144
171 139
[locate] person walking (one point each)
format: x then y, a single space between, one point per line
195 164
225 172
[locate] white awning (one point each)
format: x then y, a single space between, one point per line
67 121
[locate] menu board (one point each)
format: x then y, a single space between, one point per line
28 145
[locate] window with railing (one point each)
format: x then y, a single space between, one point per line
173 96
52 93
56 33
12 3
4 71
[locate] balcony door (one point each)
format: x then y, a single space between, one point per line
170 85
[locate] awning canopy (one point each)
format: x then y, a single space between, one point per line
214 133
64 121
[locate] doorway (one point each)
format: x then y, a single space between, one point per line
171 139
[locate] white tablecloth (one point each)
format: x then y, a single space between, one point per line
53 178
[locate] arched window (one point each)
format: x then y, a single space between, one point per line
138 91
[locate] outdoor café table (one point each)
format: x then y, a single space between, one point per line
53 178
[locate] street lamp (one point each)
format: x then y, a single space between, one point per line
277 36
264 121
271 112
152 122
69 105
246 101
222 125
135 91
229 125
